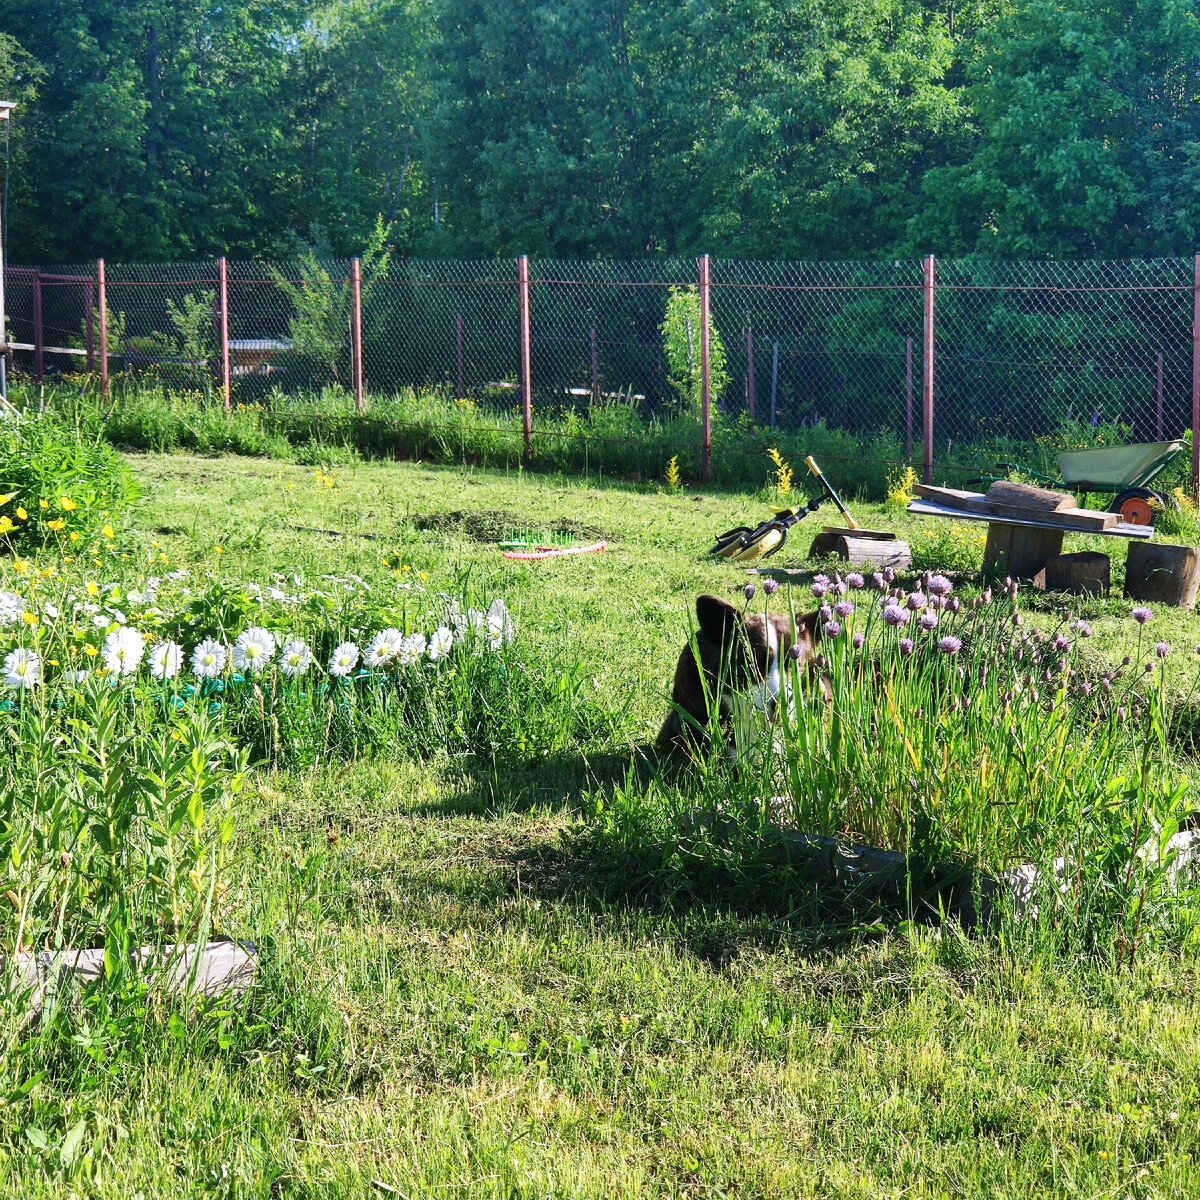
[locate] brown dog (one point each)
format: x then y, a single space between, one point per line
738 660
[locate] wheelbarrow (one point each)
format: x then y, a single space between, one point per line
1125 471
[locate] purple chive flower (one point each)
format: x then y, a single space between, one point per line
859 641
928 620
954 604
1083 629
878 582
750 590
819 589
916 601
1162 649
939 585
987 595
1016 618
907 645
1061 644
826 613
821 579
950 644
843 608
838 587
855 581
1085 688
888 574
770 586
1142 615
893 614
1149 667
832 629
795 651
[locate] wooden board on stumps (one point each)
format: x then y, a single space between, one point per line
1023 496
863 551
1163 574
1020 552
1005 504
1085 574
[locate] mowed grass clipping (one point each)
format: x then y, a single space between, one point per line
457 1002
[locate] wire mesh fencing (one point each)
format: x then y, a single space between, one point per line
1071 351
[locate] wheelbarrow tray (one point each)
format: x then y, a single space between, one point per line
1110 468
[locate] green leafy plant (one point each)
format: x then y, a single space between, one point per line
681 343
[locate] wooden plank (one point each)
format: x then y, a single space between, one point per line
1080 519
1023 495
879 535
950 497
927 508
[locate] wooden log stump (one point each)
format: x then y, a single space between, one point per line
875 553
1020 551
1084 574
1164 574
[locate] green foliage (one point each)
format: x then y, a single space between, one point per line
54 474
681 343
195 341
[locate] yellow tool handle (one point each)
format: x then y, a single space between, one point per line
812 466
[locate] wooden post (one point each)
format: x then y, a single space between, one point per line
91 327
774 379
908 397
360 393
1020 551
705 371
223 298
39 331
595 371
462 394
1196 381
102 295
930 285
526 354
1158 389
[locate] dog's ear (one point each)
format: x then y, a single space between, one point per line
718 619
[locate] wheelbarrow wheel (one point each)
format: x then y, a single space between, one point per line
1135 505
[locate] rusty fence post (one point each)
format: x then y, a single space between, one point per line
705 369
595 371
462 394
1196 380
908 399
102 299
1158 398
360 391
39 331
526 354
223 298
929 288
750 374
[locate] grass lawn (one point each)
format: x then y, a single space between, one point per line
457 1001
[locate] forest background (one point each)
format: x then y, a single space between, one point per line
783 129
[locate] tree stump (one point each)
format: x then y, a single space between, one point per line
1164 574
863 551
1020 551
1085 574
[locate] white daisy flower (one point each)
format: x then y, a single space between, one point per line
11 608
208 659
383 648
75 678
417 644
276 593
123 650
165 660
22 669
440 644
51 611
254 648
295 658
407 655
344 660
102 620
500 628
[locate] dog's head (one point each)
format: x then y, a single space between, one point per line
741 662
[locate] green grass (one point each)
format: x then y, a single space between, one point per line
459 1000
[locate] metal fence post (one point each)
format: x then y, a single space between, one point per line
929 287
750 373
462 395
360 392
705 371
774 379
526 354
223 298
1196 381
102 294
39 331
1158 398
595 371
908 398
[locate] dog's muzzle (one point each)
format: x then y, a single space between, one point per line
765 696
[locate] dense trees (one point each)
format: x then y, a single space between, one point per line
767 128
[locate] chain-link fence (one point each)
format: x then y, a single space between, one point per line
1020 350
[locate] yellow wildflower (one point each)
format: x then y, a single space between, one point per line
43 505
90 650
74 536
20 566
68 505
6 499
57 524
109 532
29 618
6 525
22 514
93 589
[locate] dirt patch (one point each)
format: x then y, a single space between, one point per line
496 524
